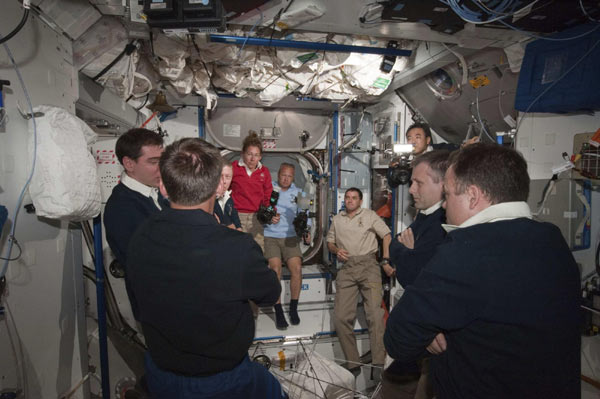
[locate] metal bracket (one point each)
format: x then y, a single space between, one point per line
28 116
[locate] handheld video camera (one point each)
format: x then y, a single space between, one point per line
400 171
301 225
266 213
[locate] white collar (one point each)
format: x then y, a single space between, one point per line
146 191
136 186
241 163
495 213
224 198
431 209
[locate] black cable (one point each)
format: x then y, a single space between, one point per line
17 29
14 240
598 258
204 64
129 48
546 188
145 102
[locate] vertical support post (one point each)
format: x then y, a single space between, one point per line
335 157
201 132
395 190
101 301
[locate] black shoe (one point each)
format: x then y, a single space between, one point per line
366 358
294 319
280 321
353 368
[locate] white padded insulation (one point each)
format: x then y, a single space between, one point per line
265 74
65 182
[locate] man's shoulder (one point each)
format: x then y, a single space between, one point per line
123 193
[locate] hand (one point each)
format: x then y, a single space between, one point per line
306 237
388 270
343 255
438 345
275 219
407 238
472 140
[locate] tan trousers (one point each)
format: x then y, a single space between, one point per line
361 274
252 226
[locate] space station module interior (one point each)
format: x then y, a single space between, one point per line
329 87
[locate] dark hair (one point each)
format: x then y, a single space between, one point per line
252 140
131 142
356 190
437 161
500 172
190 169
420 125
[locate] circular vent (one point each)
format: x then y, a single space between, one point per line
443 84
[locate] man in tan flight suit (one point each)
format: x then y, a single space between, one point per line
353 238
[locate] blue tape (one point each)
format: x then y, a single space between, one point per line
3 216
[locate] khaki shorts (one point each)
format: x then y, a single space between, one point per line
282 248
252 226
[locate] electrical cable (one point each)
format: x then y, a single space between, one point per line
597 258
474 17
129 48
17 29
18 247
13 229
369 10
248 35
545 194
554 83
19 355
585 12
552 39
144 103
483 128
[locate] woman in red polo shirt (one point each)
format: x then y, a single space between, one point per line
251 186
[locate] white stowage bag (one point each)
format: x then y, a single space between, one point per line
312 376
65 182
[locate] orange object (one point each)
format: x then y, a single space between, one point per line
386 210
386 314
595 140
281 360
149 119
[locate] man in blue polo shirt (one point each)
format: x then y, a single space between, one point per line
282 243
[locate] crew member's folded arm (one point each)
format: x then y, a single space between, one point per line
410 262
447 295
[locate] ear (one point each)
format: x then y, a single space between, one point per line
162 189
428 139
128 163
477 198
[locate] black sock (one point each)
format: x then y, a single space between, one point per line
280 321
294 312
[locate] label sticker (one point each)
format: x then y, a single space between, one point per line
479 81
231 130
269 144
